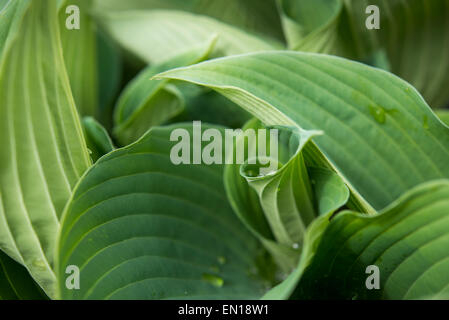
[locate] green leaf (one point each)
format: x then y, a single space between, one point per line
414 35
379 134
208 106
407 241
43 151
97 138
253 15
443 114
330 192
155 36
285 191
277 206
312 25
16 283
11 12
140 227
312 238
109 65
80 56
145 103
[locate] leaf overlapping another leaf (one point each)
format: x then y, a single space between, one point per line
279 206
379 134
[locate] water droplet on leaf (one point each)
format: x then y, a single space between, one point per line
380 114
377 113
214 280
425 122
221 260
39 263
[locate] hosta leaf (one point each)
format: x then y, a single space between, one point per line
43 153
97 138
407 241
252 15
158 35
413 33
16 283
145 103
280 205
208 106
140 227
11 13
443 114
80 56
379 134
285 192
313 26
109 65
312 238
329 191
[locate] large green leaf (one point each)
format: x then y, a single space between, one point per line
155 36
379 134
43 151
145 103
252 15
140 227
16 283
414 34
407 241
80 55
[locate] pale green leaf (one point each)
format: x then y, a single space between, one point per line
43 151
155 36
80 56
256 16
